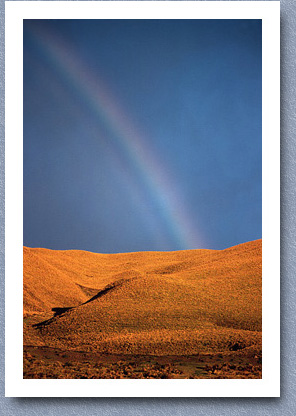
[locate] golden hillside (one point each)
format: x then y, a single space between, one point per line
182 302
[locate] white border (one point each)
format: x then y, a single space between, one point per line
15 12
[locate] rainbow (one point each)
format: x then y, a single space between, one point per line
132 143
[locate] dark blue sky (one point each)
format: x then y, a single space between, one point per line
142 134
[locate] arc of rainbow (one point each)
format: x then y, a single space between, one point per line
143 159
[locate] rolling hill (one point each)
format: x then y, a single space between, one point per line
147 303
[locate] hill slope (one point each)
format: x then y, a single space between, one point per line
160 303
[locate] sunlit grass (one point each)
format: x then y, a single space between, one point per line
159 302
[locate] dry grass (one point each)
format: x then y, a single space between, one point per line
151 303
44 362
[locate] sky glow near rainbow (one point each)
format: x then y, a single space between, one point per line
173 216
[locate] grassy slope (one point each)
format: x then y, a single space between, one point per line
160 302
